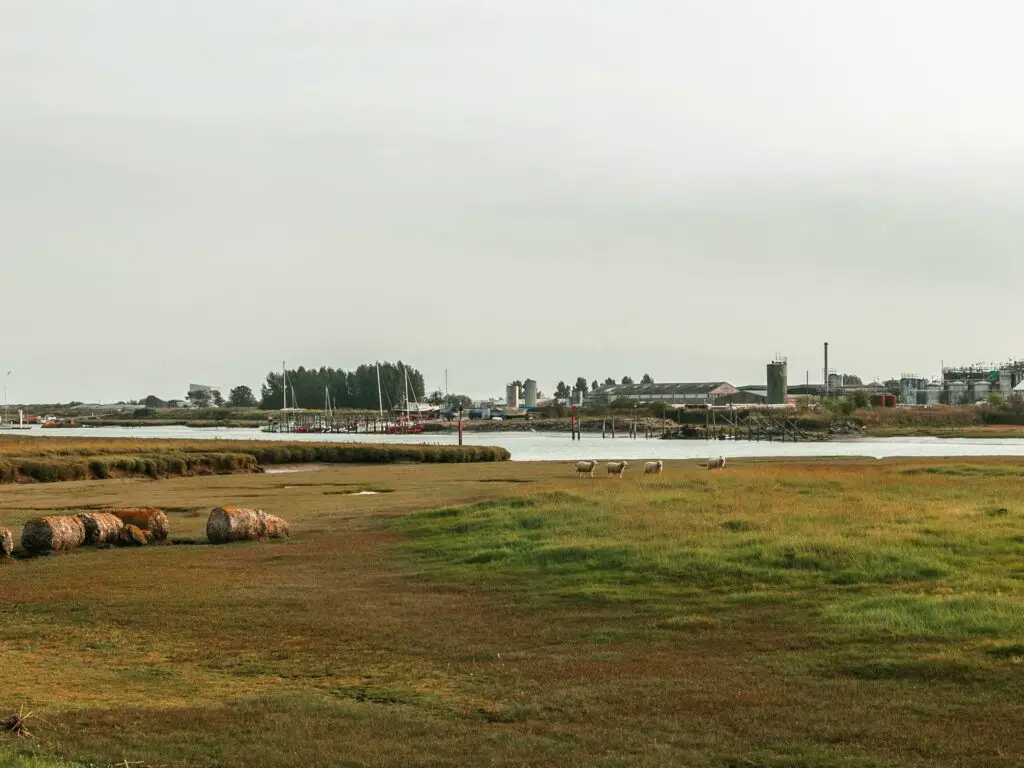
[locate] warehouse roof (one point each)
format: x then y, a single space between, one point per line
686 388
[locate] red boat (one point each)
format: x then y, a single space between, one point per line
404 428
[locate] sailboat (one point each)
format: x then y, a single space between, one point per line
406 426
6 423
286 422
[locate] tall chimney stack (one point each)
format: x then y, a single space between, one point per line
825 380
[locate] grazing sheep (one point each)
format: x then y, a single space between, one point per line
616 468
585 468
716 463
653 467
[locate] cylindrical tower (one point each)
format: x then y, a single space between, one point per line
531 393
778 387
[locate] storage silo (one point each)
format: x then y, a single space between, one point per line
512 396
957 392
1005 382
911 388
778 386
980 391
531 393
934 393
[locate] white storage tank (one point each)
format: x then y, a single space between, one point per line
531 393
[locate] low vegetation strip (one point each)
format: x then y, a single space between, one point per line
922 554
47 460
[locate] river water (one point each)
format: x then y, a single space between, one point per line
535 446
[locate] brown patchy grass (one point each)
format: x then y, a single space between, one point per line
370 638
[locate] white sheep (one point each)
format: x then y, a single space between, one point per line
616 468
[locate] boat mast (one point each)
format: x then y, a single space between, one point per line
380 397
406 372
284 384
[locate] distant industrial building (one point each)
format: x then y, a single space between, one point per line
963 385
696 393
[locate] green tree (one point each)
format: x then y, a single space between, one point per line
200 398
594 385
348 389
152 401
562 391
850 380
218 398
436 397
647 379
581 385
627 379
860 399
241 397
610 382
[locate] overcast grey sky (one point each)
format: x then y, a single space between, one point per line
194 191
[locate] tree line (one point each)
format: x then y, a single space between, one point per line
309 387
563 390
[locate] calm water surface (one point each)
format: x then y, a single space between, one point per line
532 446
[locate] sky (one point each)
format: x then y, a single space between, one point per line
195 191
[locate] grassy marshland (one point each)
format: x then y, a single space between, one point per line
36 459
823 614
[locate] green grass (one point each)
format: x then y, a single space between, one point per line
823 614
650 547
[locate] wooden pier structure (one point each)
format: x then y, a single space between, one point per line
754 424
321 422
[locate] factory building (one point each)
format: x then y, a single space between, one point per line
694 393
963 385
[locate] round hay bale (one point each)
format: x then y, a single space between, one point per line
145 518
227 524
233 524
6 543
276 527
52 534
133 536
101 528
